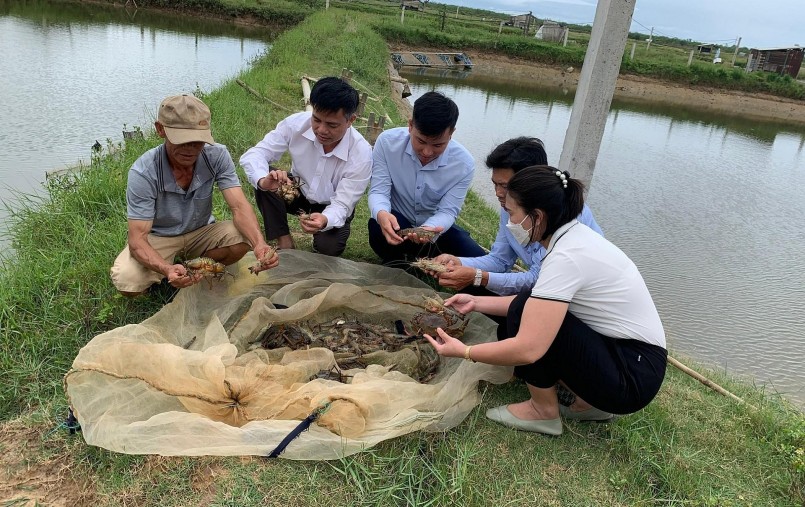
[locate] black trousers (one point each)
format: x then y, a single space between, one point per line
275 212
455 241
616 375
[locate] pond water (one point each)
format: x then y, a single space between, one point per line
73 74
710 209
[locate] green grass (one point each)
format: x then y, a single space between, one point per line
690 446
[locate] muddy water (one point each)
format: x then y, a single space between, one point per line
709 208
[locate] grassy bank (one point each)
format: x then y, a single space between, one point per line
689 447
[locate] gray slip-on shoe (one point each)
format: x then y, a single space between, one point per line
502 415
591 414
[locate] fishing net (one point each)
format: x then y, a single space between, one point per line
195 378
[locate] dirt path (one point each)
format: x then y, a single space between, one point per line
642 89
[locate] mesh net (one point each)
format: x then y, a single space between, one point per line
193 380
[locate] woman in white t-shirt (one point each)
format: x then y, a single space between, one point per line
589 322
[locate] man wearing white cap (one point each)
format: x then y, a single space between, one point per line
169 204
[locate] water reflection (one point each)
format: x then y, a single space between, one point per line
74 73
708 206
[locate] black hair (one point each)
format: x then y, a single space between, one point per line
331 94
540 188
434 113
517 153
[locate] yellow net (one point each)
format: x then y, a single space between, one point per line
190 381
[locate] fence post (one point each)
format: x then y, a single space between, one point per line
690 57
737 48
634 46
361 104
346 75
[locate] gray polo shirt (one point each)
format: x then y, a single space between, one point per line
153 195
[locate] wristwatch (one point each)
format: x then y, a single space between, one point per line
478 277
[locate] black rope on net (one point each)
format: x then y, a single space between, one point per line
70 424
302 426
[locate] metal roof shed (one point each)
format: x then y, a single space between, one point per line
777 60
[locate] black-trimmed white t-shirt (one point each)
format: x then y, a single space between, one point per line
602 285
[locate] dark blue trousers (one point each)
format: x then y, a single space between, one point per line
455 241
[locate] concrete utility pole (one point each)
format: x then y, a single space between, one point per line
650 38
690 57
567 31
634 46
402 15
597 80
737 48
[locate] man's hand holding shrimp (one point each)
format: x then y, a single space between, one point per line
313 223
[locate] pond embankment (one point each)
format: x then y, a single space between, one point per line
639 88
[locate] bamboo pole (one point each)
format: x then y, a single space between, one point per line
706 381
257 94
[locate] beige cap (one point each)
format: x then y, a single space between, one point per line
186 119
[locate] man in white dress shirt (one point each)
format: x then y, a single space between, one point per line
331 160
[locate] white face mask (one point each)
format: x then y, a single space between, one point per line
521 235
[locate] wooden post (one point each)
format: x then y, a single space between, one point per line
690 57
346 75
737 47
306 94
361 104
374 128
634 46
444 16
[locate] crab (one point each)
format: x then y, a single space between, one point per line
451 322
437 315
206 267
419 231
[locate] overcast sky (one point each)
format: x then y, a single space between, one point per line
760 24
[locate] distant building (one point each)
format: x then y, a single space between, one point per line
550 31
778 60
704 48
413 5
520 21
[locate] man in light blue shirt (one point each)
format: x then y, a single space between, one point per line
420 177
492 274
